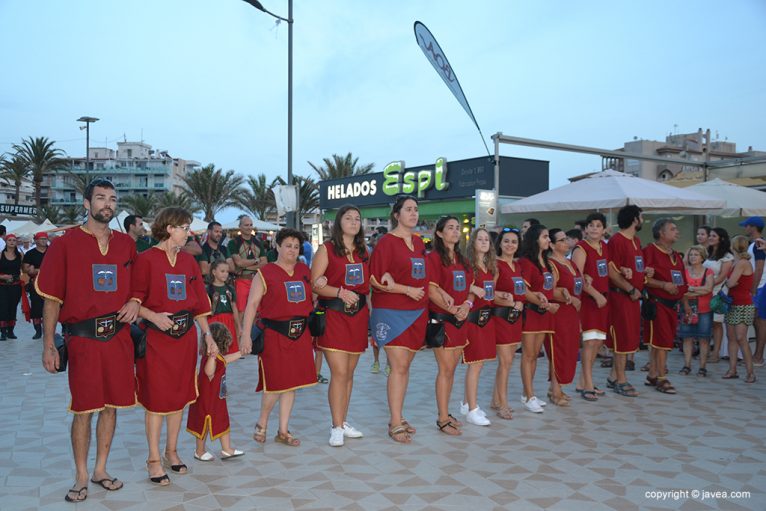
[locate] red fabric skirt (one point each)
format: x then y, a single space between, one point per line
242 288
563 346
624 323
507 333
101 374
536 323
209 413
285 364
227 319
660 333
592 317
167 376
345 333
414 338
481 342
454 337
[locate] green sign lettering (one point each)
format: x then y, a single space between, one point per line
396 180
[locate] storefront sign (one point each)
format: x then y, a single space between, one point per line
486 208
398 180
12 209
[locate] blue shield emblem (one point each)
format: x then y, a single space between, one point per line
458 280
640 264
519 287
418 267
578 283
489 290
602 268
354 274
677 277
547 281
104 277
176 287
296 293
222 392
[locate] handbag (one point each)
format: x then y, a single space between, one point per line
256 335
648 307
138 335
435 334
317 323
60 344
720 303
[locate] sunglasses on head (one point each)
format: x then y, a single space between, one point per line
510 229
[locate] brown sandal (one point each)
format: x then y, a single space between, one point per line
504 412
454 431
399 434
287 439
454 421
410 429
260 434
665 387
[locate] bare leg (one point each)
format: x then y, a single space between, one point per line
153 423
747 356
731 335
318 361
587 358
688 349
505 354
717 338
660 359
400 360
80 435
339 389
268 400
286 400
704 348
447 361
171 447
225 443
472 384
530 347
200 448
618 367
351 363
105 426
760 336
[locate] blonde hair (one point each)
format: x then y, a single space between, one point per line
701 251
739 245
489 260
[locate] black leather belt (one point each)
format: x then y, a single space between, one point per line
531 306
671 304
102 328
618 290
510 314
182 322
339 305
449 318
480 316
292 328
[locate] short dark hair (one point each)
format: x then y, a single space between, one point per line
101 183
574 233
627 215
582 224
659 225
2 230
130 220
532 221
212 225
288 233
382 229
596 217
166 217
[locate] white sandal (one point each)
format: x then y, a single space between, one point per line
228 455
206 456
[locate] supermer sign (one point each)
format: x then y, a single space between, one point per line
428 182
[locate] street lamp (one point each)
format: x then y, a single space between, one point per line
87 120
291 217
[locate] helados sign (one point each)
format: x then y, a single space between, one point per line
396 180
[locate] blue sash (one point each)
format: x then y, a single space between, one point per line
388 324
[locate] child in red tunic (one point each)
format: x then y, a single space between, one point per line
223 302
209 414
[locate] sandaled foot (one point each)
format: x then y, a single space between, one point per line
598 391
287 439
750 378
410 429
174 462
610 383
447 427
559 400
161 479
665 387
730 376
399 434
607 362
260 434
454 421
589 395
625 389
505 412
685 370
108 483
650 382
77 494
702 372
645 367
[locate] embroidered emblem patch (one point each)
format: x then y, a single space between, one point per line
519 287
640 264
176 287
677 277
104 277
578 284
179 325
296 293
381 331
489 289
354 274
547 281
602 268
484 315
296 328
418 267
458 280
105 326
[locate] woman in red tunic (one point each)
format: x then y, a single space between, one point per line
507 316
539 309
168 284
399 305
282 290
341 277
449 302
564 345
591 256
481 331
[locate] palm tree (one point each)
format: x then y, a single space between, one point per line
308 195
52 213
42 158
258 197
14 171
139 205
179 200
212 189
341 166
72 214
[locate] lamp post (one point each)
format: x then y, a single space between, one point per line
87 120
291 219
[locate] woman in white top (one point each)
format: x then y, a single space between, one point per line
720 260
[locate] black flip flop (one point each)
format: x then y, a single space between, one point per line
78 493
102 483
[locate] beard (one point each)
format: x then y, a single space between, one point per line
638 227
103 217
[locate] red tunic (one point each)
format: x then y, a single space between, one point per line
89 284
563 346
453 280
166 375
408 268
481 340
509 280
740 294
668 267
285 364
209 414
541 282
595 319
624 313
344 332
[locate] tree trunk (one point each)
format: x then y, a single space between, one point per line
18 190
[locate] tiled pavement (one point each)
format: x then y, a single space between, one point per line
590 456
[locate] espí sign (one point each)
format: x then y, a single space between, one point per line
396 179
13 209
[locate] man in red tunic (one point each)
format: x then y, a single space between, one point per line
85 281
667 288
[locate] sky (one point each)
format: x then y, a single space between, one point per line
206 80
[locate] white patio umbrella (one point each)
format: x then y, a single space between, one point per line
740 200
611 189
260 225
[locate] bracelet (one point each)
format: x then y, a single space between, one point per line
470 304
205 334
631 290
339 290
